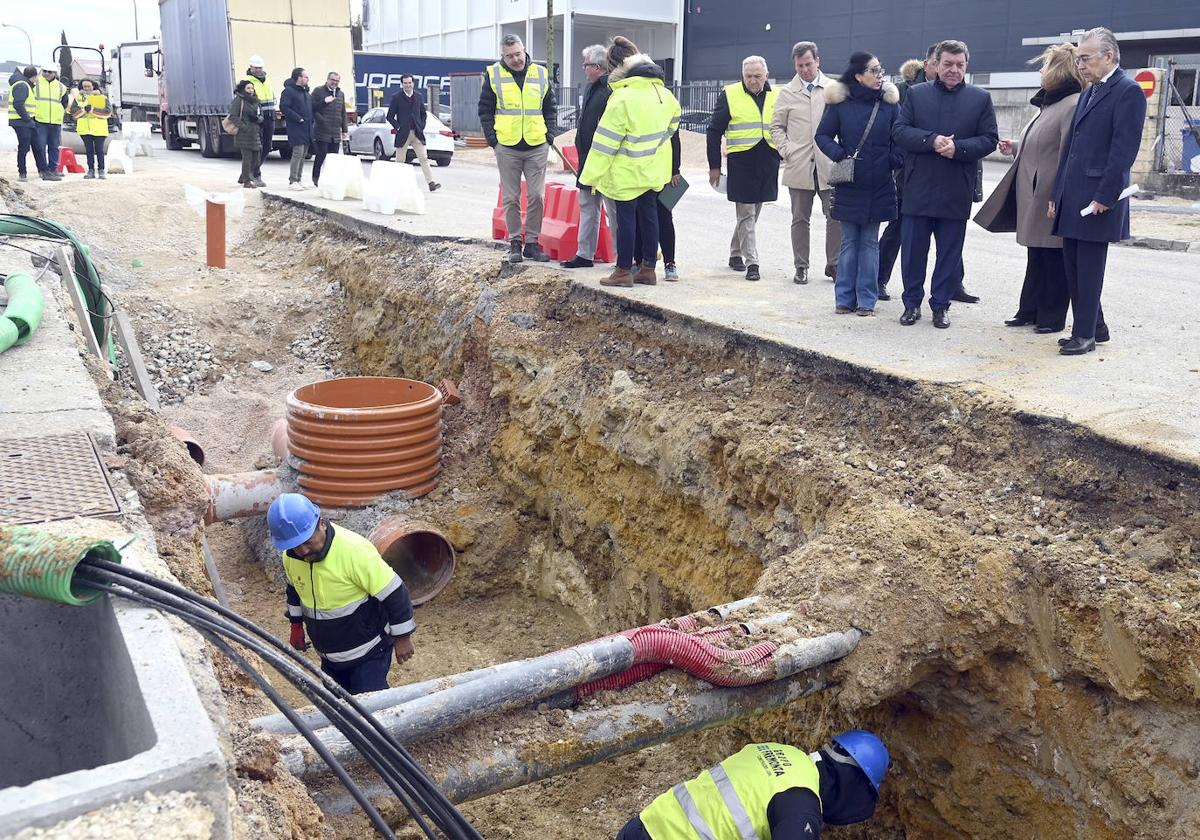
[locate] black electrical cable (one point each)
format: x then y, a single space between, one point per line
442 805
105 581
379 748
208 629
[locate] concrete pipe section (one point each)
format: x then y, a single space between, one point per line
419 552
362 436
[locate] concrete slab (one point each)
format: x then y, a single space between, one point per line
44 387
99 706
1139 389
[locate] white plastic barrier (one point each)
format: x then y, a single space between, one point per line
392 187
333 178
197 199
117 158
355 182
137 138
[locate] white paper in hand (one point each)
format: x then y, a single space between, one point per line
1132 189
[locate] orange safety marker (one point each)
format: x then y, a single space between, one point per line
214 220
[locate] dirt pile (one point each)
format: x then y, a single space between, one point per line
1026 587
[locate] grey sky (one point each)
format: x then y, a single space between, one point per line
107 22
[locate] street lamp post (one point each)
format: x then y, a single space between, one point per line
23 32
136 35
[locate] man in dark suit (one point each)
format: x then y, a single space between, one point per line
1093 170
946 127
406 113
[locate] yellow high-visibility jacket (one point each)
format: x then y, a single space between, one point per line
48 104
91 121
519 107
748 125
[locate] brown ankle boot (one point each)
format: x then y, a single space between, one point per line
619 277
645 275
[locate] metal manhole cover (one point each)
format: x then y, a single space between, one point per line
53 477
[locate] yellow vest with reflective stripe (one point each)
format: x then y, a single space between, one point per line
351 571
47 107
94 124
631 149
30 106
729 801
519 107
748 125
264 92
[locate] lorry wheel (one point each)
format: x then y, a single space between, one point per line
167 127
210 147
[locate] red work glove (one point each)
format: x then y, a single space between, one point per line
297 639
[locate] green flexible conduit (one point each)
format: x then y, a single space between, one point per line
24 310
86 276
33 562
8 334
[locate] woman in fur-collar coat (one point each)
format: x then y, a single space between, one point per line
862 204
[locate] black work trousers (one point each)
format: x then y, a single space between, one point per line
666 234
1044 297
321 148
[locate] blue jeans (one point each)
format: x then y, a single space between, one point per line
858 266
26 142
637 217
49 138
363 675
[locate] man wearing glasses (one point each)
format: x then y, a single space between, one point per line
1106 133
595 67
945 128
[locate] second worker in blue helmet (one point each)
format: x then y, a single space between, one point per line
771 790
356 609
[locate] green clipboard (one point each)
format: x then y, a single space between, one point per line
669 196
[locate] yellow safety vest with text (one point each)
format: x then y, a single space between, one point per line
747 124
519 107
729 801
631 149
264 92
30 105
48 107
95 122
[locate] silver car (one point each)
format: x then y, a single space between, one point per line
373 136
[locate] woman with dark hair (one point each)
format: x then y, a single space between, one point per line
91 122
244 114
857 126
1019 201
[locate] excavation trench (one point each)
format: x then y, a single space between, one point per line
1028 591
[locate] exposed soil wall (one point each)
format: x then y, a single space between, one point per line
1029 591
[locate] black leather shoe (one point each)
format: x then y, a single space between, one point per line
1101 337
1018 322
1047 330
883 294
737 264
941 318
577 262
752 272
801 276
910 317
831 273
963 296
1078 346
514 251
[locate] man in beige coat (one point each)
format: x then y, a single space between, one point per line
805 169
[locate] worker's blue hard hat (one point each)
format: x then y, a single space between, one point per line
293 519
868 753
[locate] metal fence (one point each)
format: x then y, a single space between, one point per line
696 99
1179 141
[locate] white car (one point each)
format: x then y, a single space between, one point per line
373 136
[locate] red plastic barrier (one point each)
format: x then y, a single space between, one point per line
67 161
499 227
570 155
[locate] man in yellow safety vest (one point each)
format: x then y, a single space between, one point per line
742 117
771 790
21 120
49 105
518 113
267 106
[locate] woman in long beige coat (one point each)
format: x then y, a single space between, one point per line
1030 181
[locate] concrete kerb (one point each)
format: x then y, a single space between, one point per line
184 753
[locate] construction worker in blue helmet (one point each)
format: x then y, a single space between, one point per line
356 609
771 790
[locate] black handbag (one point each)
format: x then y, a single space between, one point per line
843 170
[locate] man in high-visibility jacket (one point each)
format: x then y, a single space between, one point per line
742 116
267 106
49 105
771 790
356 608
518 113
21 121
